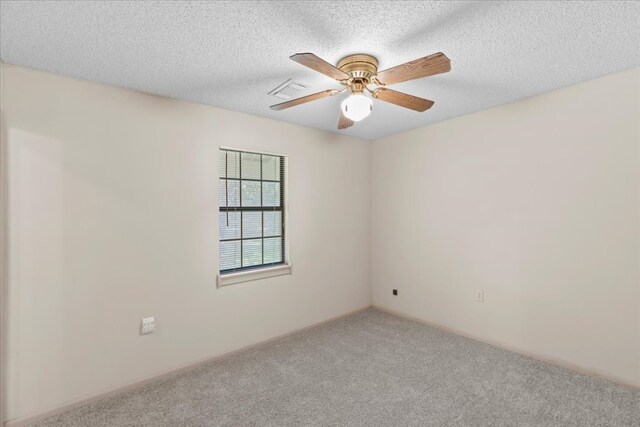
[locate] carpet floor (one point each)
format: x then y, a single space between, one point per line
370 369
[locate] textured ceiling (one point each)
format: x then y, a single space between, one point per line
231 54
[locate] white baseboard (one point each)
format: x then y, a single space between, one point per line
30 419
543 358
24 421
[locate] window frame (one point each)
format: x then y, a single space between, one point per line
260 271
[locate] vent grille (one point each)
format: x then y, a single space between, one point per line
288 90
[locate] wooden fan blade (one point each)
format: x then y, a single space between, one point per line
344 122
428 66
402 99
304 99
319 65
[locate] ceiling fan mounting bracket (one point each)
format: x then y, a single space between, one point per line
376 82
360 67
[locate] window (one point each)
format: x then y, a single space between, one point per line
252 214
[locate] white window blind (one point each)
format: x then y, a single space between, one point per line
251 210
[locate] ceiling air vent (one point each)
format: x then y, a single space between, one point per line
288 90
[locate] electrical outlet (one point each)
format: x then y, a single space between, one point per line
147 326
480 296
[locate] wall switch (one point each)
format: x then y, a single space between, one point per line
147 326
480 296
395 292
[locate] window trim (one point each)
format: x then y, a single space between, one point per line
261 271
253 274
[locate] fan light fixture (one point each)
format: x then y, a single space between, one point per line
357 72
357 107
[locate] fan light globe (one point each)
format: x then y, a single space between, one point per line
356 107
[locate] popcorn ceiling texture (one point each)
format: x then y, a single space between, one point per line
230 54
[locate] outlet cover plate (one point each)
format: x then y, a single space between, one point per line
147 326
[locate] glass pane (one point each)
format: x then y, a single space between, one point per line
251 224
233 164
273 250
251 252
232 188
229 255
272 223
229 225
250 166
223 164
271 168
270 194
222 192
250 193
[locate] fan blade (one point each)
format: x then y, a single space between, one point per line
344 122
402 99
304 99
319 65
416 69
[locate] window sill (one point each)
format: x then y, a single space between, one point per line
246 276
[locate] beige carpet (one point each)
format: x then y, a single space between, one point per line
370 369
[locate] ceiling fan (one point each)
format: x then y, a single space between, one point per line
357 72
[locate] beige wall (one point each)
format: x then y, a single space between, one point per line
537 204
113 217
113 200
3 254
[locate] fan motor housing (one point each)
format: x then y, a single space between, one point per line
360 67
